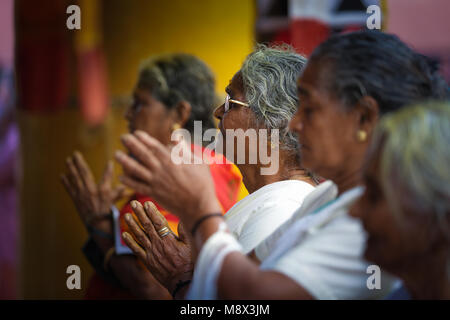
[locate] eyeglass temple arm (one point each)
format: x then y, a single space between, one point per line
239 102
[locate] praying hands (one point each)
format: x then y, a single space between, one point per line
167 256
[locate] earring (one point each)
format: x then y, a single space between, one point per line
361 135
176 126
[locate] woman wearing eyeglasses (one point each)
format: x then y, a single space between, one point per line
172 92
349 82
274 195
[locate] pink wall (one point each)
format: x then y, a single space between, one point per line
425 25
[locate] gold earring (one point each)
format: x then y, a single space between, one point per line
176 126
361 135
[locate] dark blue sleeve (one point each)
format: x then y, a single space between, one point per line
95 257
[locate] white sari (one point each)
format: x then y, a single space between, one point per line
258 215
319 247
250 221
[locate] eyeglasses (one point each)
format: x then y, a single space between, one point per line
228 100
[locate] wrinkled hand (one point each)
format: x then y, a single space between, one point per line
186 190
168 258
93 201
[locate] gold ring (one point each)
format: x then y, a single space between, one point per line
164 232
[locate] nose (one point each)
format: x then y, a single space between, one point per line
128 115
218 113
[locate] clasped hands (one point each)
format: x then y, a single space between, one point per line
166 256
186 190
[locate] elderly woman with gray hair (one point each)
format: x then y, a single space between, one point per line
261 100
172 91
349 82
405 208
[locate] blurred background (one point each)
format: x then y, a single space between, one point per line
63 90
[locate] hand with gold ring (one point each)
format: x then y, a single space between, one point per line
166 256
165 231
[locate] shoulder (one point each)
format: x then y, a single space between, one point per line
329 262
276 192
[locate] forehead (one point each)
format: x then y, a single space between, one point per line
236 85
142 93
312 78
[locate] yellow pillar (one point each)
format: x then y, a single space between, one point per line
219 32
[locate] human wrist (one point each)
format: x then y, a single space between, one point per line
103 244
202 220
206 229
107 258
101 231
104 240
102 221
208 205
203 208
180 289
178 282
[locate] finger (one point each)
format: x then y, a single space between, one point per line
188 154
107 176
153 144
73 182
134 246
132 167
176 137
136 185
182 151
140 151
74 176
157 219
137 232
183 235
67 185
119 192
145 222
84 171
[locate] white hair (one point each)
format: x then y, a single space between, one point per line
269 77
416 147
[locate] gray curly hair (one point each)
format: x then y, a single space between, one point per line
269 76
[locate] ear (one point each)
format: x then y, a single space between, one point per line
182 112
368 112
